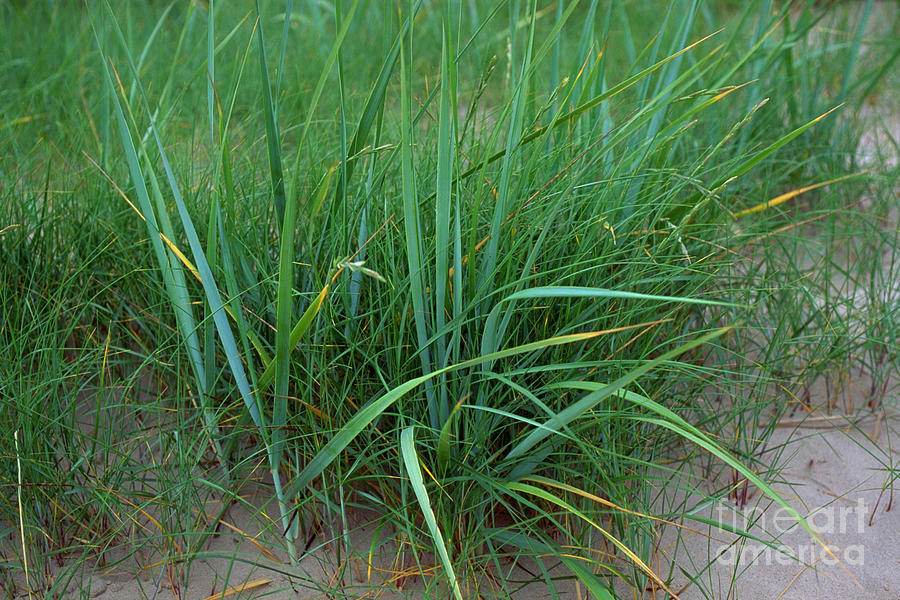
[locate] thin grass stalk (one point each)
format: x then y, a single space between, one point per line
288 15
342 119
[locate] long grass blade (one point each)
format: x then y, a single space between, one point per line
577 409
490 339
352 428
411 223
411 462
446 151
552 498
273 138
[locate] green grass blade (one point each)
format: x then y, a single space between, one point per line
210 72
149 43
411 223
341 200
443 446
598 589
288 14
577 409
273 139
283 327
589 292
446 152
672 421
348 432
209 333
411 462
492 328
297 333
226 336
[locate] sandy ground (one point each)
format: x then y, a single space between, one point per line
834 471
837 474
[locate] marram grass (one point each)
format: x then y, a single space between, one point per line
466 272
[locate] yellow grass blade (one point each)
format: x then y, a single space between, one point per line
240 588
792 194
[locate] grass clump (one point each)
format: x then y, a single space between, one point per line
434 290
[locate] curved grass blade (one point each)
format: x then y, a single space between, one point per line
371 410
411 462
675 423
552 498
574 411
490 341
598 589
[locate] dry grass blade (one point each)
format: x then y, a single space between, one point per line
237 589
